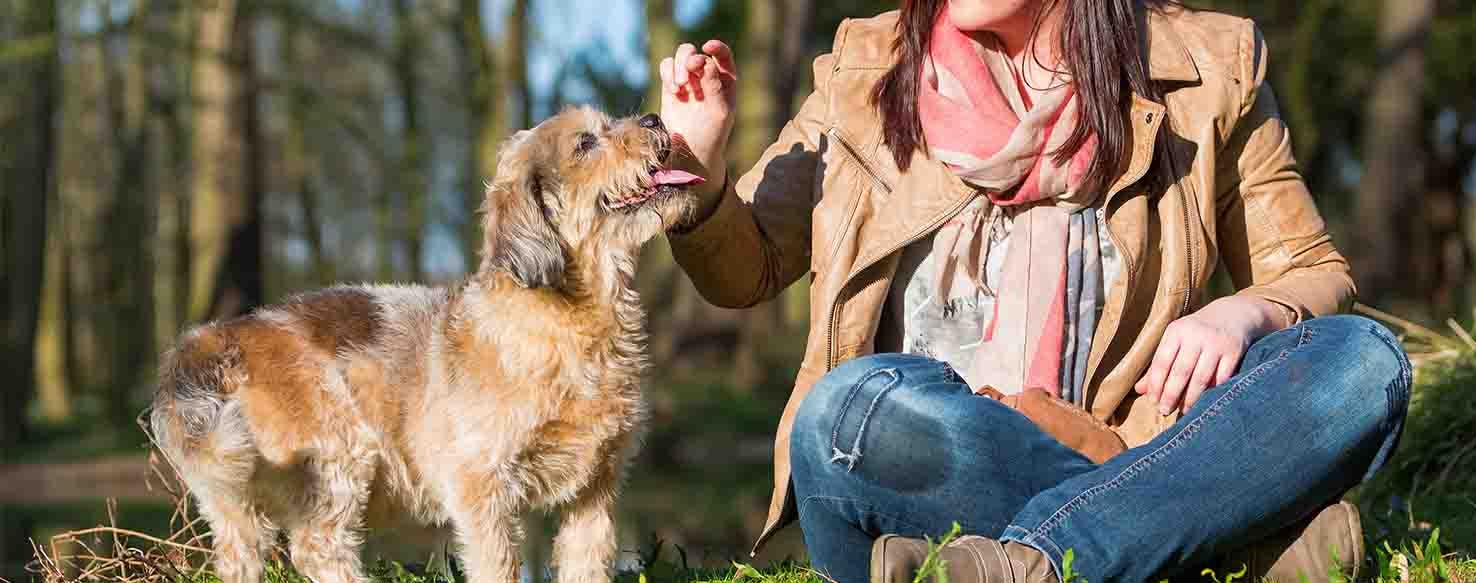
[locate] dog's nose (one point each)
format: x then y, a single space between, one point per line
651 121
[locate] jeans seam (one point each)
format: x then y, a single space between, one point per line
1044 544
950 374
1398 390
862 506
1139 466
854 456
1396 399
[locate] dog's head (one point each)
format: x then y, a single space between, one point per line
580 189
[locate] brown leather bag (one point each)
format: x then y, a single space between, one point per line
1070 425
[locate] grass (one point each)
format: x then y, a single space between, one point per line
1409 562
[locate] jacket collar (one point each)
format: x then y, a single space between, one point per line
1168 59
870 45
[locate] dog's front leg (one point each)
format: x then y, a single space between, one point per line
490 538
584 550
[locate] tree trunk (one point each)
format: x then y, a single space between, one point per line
482 110
412 176
299 160
772 48
1393 152
661 39
794 57
53 392
128 218
1442 253
225 219
498 102
791 58
512 67
757 102
26 190
168 139
758 86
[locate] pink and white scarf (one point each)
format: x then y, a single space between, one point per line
997 141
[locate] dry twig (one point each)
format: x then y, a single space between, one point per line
132 556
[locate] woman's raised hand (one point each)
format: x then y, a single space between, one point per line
698 98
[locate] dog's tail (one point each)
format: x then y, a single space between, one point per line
194 420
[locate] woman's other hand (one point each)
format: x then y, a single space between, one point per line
698 98
1203 349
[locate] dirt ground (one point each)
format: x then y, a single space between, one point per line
124 477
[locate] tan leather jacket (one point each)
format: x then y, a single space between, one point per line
827 200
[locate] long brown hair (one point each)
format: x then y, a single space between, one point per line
1100 47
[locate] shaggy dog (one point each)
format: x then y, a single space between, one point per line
460 407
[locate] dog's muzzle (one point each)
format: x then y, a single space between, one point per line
664 181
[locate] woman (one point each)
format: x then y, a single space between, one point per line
1026 199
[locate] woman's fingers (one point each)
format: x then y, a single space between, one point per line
1178 378
665 69
683 60
1228 365
721 53
1202 377
1163 360
712 82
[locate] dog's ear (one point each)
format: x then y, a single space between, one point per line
520 236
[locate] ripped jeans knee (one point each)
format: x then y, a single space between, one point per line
837 424
884 379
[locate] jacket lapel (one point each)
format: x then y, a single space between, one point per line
1128 232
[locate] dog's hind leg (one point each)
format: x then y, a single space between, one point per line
584 550
325 536
206 438
239 533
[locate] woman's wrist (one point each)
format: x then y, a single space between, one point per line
1258 316
708 200
712 189
710 193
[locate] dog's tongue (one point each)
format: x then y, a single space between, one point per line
676 178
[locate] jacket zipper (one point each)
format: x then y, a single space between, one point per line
846 284
1129 268
841 296
1188 254
1184 199
856 156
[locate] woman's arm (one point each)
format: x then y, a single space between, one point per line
1272 241
753 239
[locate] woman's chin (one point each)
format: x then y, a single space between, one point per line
989 15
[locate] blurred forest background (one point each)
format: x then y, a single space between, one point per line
168 162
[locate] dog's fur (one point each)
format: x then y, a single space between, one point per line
460 407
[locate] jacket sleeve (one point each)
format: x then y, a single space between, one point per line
1273 241
757 240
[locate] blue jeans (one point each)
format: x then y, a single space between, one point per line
897 444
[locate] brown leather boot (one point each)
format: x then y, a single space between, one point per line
968 559
1309 548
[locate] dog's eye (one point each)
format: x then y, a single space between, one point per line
587 142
